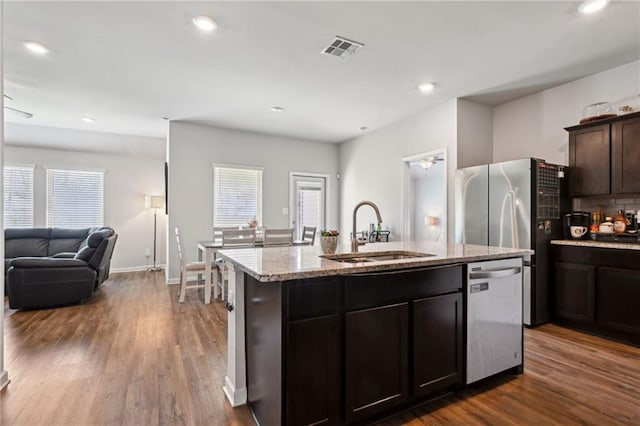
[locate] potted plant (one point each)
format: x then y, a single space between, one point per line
329 240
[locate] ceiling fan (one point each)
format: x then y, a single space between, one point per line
425 163
17 111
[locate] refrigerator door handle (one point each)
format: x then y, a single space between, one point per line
495 273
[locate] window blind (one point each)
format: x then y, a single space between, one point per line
309 204
18 196
237 196
75 198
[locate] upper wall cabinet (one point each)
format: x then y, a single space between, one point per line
625 135
589 159
604 157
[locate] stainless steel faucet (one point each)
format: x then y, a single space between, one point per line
354 240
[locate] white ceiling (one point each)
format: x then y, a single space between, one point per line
129 64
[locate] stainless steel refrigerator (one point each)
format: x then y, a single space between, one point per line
515 204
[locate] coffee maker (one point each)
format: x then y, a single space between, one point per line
576 225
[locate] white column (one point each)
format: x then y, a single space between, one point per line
4 376
235 383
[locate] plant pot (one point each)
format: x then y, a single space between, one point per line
329 244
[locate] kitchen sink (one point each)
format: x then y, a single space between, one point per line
375 256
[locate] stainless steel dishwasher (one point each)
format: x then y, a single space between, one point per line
494 317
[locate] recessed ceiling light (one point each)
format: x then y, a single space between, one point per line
592 6
205 23
277 109
426 87
87 119
35 47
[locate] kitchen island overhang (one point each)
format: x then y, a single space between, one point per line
275 270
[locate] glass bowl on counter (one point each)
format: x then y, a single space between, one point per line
598 111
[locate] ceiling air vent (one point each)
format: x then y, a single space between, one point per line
342 48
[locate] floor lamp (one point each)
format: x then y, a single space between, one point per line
154 202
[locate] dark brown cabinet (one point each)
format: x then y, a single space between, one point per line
589 159
597 289
604 157
437 343
619 299
376 360
313 371
574 292
625 137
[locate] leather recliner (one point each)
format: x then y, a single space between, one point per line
38 282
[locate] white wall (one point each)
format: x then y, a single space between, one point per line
193 148
371 166
533 126
127 179
475 133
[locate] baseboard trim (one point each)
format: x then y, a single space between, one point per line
135 268
172 281
235 396
4 379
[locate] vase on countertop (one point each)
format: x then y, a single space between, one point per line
329 244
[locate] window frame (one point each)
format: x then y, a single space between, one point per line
325 199
259 193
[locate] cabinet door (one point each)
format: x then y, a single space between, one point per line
313 371
437 343
574 292
589 159
625 140
618 299
376 360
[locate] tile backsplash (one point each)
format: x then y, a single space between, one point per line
609 205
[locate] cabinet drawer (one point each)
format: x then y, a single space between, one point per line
307 298
375 289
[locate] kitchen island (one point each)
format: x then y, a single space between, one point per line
347 340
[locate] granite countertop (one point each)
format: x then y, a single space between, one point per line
288 263
597 244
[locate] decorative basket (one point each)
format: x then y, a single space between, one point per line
329 244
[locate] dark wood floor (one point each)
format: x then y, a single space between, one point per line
134 356
131 356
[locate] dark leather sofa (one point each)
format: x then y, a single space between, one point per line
47 267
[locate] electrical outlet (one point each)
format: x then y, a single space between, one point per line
147 252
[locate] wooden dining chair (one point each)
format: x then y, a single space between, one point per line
238 238
309 234
217 231
191 274
278 237
233 238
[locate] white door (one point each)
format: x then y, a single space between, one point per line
308 202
